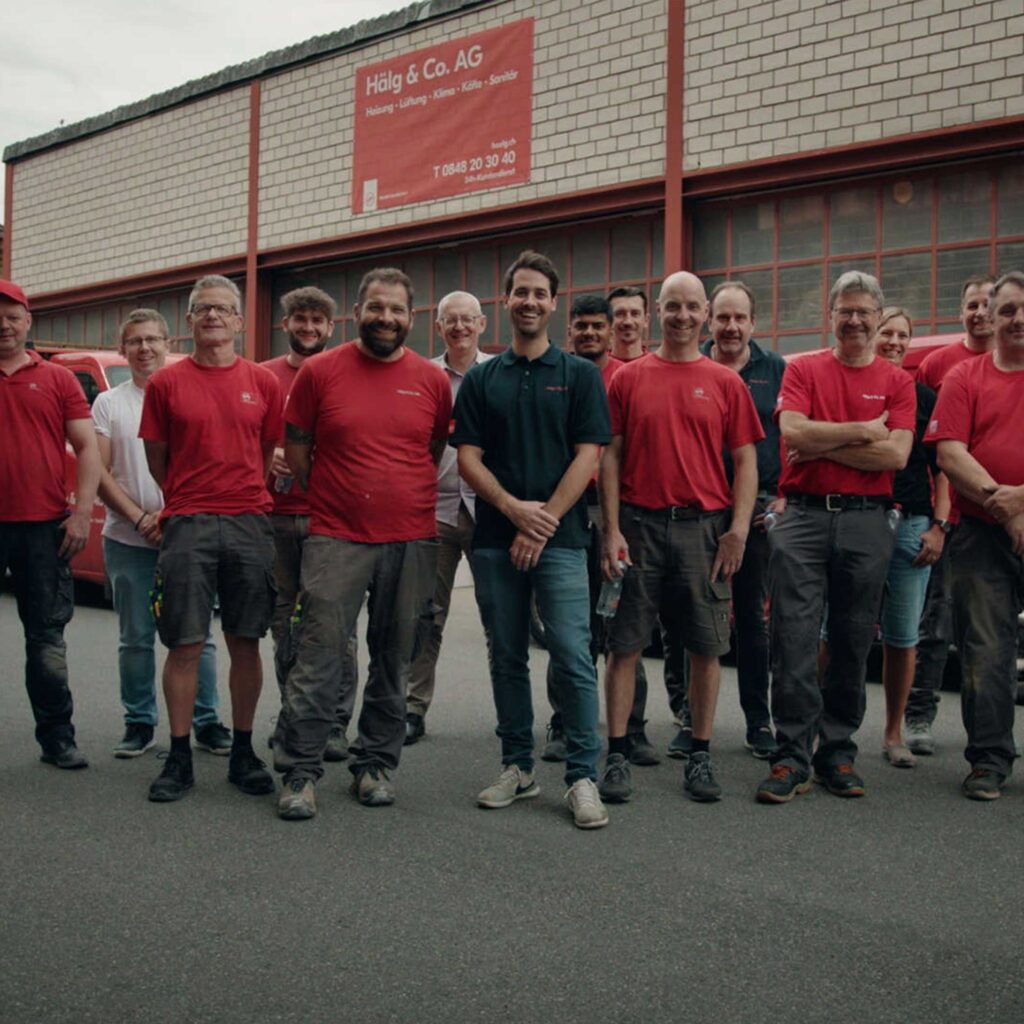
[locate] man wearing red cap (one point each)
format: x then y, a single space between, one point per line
44 404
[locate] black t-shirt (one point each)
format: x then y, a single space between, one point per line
911 487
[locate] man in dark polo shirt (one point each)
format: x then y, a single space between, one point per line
41 407
976 425
847 420
529 426
732 345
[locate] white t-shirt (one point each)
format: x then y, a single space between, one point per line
116 414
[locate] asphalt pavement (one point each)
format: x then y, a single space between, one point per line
904 906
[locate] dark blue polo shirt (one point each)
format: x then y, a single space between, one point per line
528 417
763 377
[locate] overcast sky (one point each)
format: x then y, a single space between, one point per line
64 62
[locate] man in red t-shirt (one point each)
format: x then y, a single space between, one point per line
847 420
672 516
936 630
309 323
41 407
630 323
210 424
366 425
976 424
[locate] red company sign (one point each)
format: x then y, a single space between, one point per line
454 118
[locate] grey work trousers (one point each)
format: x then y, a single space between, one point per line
335 575
818 556
988 595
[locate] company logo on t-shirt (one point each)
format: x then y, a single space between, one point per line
556 387
247 397
875 398
699 393
406 391
933 426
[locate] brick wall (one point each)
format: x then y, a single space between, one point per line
163 191
770 77
598 98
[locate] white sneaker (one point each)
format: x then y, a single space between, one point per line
918 737
585 802
513 784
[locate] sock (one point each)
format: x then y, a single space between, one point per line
241 740
182 745
701 745
618 745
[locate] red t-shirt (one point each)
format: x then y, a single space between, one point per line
937 364
981 406
826 390
215 421
293 502
35 402
373 480
675 419
609 370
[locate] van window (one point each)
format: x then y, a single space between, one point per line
117 375
89 385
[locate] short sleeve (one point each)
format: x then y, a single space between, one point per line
951 418
273 421
744 426
795 392
73 397
903 410
443 416
617 405
154 426
302 401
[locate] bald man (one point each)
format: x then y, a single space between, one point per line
672 516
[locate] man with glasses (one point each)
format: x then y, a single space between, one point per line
847 419
41 408
210 424
460 322
131 543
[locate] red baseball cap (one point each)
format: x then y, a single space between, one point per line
11 291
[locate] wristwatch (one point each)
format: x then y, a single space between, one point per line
943 524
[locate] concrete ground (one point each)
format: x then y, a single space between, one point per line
905 906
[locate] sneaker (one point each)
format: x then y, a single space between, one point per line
337 745
641 751
682 745
983 784
215 738
918 737
585 802
555 748
63 754
372 787
249 773
138 738
415 729
616 786
174 781
761 743
298 798
840 779
700 781
513 784
784 783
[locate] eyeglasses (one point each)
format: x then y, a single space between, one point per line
149 339
463 320
202 308
844 313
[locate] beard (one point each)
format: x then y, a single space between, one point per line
304 350
380 347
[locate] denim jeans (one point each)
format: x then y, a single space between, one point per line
131 571
905 586
559 582
45 594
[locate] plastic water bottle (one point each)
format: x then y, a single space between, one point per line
769 521
611 592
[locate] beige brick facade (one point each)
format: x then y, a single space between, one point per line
166 190
766 78
598 116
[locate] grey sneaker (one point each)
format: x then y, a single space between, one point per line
513 784
555 748
700 781
298 799
372 786
585 803
682 744
214 738
337 745
616 786
641 750
983 784
918 737
138 738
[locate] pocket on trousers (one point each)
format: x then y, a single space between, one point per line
62 603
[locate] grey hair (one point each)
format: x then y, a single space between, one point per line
856 281
1010 277
457 295
215 281
142 316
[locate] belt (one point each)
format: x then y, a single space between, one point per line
674 513
839 502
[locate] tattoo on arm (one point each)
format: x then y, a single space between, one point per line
295 435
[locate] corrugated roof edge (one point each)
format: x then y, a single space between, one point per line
349 38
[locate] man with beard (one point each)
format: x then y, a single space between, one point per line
309 323
847 419
460 322
366 424
529 426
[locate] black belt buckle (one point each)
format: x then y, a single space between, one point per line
677 513
835 503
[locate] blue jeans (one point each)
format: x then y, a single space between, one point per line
560 583
905 586
131 571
